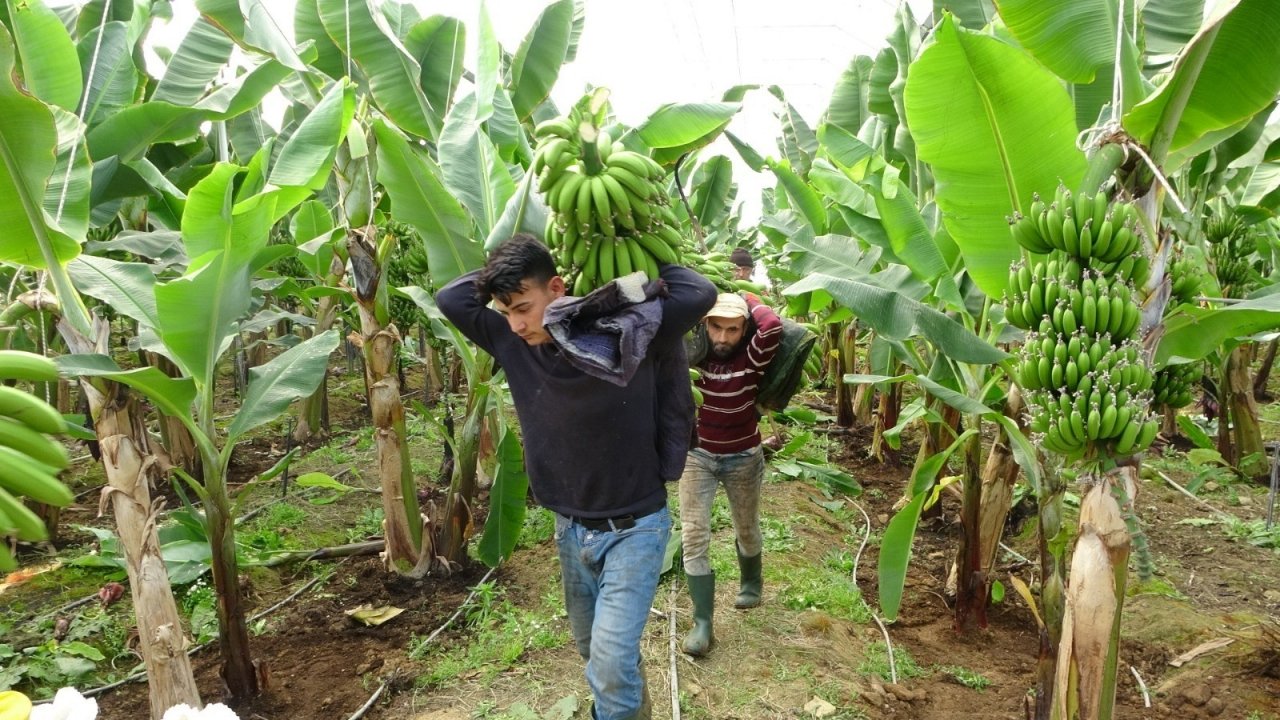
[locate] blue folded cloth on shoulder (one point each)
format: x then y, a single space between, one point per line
607 333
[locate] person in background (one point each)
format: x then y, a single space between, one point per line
593 449
743 264
744 335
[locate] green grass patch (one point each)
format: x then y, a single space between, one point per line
827 587
966 677
876 663
501 634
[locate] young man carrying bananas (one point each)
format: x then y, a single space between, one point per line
743 336
595 450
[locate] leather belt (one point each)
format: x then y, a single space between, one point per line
622 522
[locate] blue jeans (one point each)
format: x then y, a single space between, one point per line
610 578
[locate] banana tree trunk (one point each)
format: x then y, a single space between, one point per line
313 416
843 361
123 439
1053 573
455 525
434 371
175 436
238 670
1239 405
886 418
378 340
971 599
1088 653
1168 422
1260 380
999 476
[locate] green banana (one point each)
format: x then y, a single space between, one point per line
39 447
30 411
25 476
26 524
18 365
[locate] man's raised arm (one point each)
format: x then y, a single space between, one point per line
689 297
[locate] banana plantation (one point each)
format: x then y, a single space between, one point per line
247 465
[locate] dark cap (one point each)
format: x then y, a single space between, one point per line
742 258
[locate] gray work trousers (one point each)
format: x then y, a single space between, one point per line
742 474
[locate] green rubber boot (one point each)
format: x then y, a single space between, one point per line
702 588
751 584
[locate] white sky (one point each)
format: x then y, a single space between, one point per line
658 51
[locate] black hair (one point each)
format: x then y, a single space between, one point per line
521 259
742 258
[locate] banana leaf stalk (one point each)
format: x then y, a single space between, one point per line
1236 397
1088 653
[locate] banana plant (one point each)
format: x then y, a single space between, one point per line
192 320
982 177
45 189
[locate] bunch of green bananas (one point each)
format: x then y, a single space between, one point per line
717 268
1174 384
1106 409
1088 227
1094 305
1230 265
1088 386
30 460
1070 363
610 215
1186 279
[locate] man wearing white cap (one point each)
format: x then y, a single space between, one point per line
743 335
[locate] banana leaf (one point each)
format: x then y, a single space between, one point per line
1228 73
536 65
472 169
507 502
679 128
289 376
50 65
438 43
996 127
114 85
195 64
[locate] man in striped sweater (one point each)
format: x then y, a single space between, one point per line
744 335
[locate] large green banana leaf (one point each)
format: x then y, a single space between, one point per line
28 142
973 14
802 196
50 65
536 65
472 169
289 376
898 317
1194 332
678 128
312 230
172 396
713 191
66 199
393 74
198 312
308 27
911 238
250 24
1077 41
847 108
308 155
507 509
418 197
128 287
1228 73
525 212
996 127
798 142
1167 25
130 132
438 43
114 85
203 52
488 65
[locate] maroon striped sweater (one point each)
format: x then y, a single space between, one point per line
728 421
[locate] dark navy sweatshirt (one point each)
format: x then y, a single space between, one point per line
592 449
